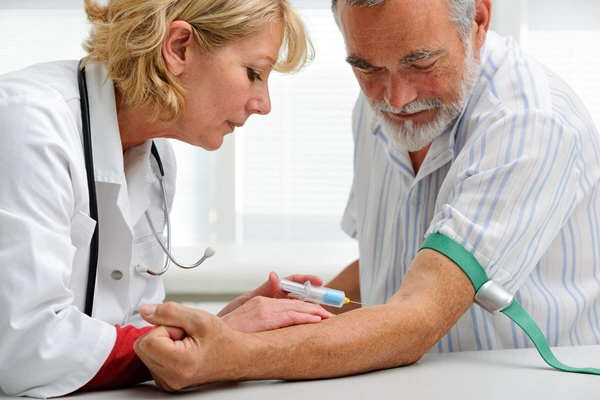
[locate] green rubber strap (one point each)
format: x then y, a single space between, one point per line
465 260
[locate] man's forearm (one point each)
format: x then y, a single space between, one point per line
347 281
354 342
434 295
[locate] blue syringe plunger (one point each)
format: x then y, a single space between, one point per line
315 294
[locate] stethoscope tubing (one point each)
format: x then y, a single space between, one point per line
93 202
167 247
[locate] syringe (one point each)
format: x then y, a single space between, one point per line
315 294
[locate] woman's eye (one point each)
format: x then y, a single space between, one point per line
253 75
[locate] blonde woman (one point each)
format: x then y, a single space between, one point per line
191 70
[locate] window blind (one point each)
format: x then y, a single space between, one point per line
297 161
565 36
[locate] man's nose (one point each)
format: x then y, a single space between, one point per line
399 91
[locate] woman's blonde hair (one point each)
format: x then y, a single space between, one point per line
126 37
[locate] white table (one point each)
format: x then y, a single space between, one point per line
486 375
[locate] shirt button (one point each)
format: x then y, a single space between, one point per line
413 201
116 275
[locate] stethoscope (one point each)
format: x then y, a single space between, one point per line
89 166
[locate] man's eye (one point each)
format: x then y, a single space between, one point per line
367 71
424 66
253 75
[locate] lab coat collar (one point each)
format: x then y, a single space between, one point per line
139 178
106 139
131 170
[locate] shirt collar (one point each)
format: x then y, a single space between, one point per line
440 152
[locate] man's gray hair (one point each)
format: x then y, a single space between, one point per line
462 12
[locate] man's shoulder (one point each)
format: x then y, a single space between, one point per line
515 81
513 76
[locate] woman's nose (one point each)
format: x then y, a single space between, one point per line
260 104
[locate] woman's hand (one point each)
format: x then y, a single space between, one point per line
268 307
264 314
269 289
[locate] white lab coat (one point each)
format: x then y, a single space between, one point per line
48 346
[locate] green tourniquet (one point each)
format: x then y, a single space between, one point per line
465 260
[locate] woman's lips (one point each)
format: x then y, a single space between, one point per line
233 125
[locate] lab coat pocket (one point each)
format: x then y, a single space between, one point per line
146 248
144 240
82 229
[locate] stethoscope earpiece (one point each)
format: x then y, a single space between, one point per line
141 267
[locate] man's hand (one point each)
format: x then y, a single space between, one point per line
172 354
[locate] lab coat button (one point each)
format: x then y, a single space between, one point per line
116 275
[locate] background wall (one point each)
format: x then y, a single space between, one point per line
272 197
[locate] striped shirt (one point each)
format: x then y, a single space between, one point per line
514 181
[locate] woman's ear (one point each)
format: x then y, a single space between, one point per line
178 39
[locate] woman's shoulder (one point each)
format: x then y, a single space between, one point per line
39 105
53 81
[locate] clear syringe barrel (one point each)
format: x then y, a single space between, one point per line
314 294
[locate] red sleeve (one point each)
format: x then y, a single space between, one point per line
122 367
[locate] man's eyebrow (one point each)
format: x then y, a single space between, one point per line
359 63
420 55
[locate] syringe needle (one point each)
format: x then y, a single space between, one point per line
360 304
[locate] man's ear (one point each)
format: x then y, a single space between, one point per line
483 16
178 39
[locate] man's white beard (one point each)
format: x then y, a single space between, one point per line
413 136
